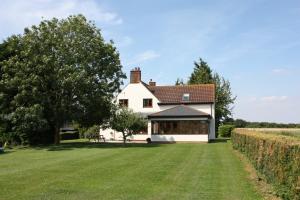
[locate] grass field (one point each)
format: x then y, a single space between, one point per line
109 171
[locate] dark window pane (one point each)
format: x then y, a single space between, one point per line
184 127
123 102
147 103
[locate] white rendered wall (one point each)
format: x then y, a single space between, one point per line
135 93
182 138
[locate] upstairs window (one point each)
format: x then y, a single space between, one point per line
186 97
147 103
123 102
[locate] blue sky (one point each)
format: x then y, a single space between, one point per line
254 44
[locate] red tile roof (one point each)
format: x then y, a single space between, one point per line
199 93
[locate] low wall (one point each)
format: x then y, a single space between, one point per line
179 138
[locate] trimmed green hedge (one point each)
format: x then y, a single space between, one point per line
225 130
277 157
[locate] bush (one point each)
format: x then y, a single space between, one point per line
92 132
148 140
80 129
69 135
275 156
225 130
11 138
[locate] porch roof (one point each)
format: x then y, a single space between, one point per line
179 111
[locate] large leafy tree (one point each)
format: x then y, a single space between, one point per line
57 71
127 122
203 74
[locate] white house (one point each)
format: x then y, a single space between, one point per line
174 113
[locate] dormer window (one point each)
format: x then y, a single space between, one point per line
186 97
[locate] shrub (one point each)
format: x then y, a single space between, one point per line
275 156
225 130
11 138
81 129
69 135
92 132
148 140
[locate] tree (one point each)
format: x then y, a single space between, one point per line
179 82
127 122
240 123
203 74
61 70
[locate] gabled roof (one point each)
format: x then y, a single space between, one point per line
199 93
179 111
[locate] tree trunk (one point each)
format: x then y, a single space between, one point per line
56 135
124 139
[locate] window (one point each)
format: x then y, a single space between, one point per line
186 97
147 103
177 127
123 102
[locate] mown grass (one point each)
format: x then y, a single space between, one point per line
80 170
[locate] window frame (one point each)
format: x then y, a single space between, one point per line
186 97
150 104
123 104
178 127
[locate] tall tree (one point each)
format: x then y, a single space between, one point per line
63 70
203 74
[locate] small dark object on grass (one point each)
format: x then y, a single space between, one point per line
2 147
148 140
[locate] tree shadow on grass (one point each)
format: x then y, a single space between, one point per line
6 152
92 145
220 140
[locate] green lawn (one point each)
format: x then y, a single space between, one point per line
139 171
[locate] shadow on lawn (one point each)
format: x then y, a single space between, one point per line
220 140
7 151
90 145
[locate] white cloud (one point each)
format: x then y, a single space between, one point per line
273 98
266 99
124 41
252 99
279 71
142 57
16 15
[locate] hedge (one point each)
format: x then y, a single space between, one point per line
225 130
275 156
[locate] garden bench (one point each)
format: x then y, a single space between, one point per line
101 137
96 137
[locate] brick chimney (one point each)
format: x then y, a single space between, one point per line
152 83
135 75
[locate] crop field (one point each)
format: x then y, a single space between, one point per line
294 132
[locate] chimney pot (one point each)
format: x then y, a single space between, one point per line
135 75
152 83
